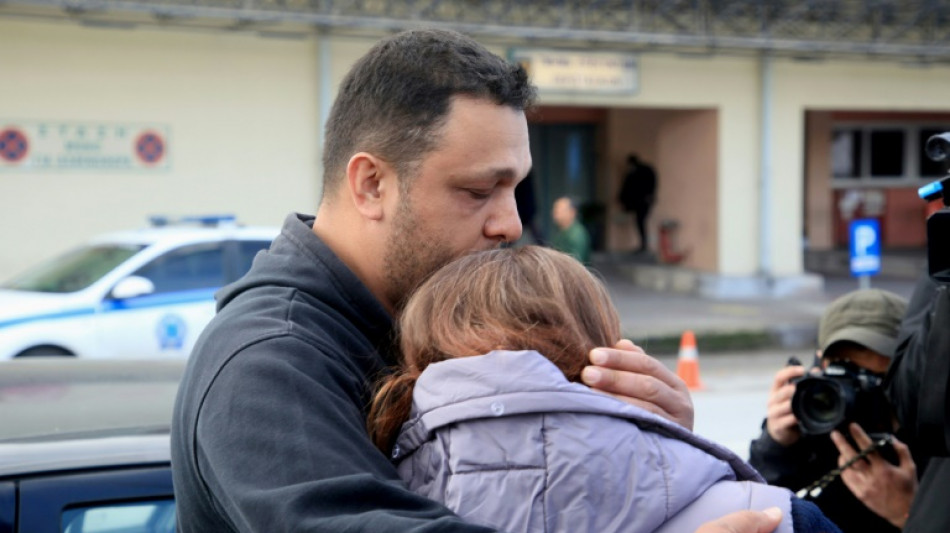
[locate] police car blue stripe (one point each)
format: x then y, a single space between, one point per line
160 300
113 306
47 316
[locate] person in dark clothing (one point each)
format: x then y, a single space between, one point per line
918 384
638 194
860 327
425 144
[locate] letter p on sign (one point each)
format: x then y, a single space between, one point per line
865 247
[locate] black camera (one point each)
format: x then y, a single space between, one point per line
938 225
842 393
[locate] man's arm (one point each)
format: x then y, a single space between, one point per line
280 451
282 446
626 372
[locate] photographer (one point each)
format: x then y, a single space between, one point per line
857 332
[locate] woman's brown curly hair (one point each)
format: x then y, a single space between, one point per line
528 298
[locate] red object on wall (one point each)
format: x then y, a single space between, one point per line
668 252
933 207
902 219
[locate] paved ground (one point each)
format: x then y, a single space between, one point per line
654 318
731 405
742 343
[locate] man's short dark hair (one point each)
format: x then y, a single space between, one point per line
395 98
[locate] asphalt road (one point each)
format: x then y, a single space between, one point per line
730 407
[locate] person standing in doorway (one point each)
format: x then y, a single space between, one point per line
572 237
638 194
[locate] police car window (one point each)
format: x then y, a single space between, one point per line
152 516
246 252
199 266
75 270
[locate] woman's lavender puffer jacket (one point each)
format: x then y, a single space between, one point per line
505 440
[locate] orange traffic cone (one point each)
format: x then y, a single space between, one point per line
687 363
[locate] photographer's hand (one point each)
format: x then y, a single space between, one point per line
627 373
780 422
884 488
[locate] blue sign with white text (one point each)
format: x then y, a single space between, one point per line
865 247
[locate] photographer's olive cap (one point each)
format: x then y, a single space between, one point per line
869 317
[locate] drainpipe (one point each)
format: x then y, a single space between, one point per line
765 170
325 88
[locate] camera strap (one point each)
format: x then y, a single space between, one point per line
814 490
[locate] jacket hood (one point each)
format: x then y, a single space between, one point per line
508 383
323 276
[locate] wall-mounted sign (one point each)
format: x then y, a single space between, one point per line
579 72
63 146
865 246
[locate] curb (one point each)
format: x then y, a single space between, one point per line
788 337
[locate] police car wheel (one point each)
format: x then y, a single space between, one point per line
49 351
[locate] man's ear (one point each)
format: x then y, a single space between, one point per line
368 179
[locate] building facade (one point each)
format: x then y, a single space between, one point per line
766 143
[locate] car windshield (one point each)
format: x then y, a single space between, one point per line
74 270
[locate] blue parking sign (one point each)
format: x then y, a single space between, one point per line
865 247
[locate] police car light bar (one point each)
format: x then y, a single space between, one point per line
203 220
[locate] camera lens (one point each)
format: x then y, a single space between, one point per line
824 403
819 404
938 146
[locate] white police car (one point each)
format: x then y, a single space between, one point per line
133 294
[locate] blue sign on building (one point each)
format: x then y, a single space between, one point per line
865 247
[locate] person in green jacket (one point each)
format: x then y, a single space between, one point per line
572 237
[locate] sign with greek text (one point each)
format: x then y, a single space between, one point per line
578 71
83 146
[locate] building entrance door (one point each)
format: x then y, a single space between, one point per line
565 165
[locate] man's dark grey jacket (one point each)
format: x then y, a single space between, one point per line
269 426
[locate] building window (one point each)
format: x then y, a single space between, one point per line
887 153
846 154
891 154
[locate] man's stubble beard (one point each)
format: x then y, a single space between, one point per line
413 254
